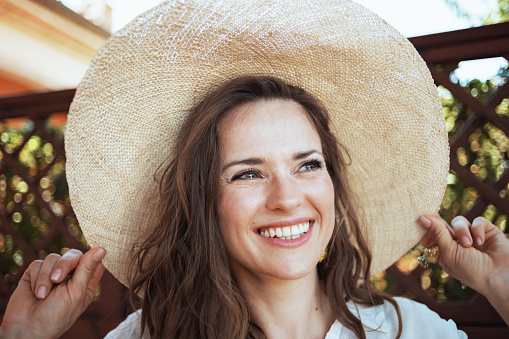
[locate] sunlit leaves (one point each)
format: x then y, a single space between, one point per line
485 155
34 196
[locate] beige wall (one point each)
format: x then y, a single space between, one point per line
44 46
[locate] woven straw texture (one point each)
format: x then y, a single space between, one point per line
142 82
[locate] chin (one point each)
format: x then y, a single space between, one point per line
288 276
290 271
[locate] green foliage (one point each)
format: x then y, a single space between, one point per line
33 198
499 14
485 155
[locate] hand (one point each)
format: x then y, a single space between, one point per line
45 304
477 254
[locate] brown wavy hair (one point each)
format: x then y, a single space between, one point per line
181 270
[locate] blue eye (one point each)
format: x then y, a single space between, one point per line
310 166
249 174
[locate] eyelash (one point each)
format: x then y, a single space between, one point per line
318 164
239 176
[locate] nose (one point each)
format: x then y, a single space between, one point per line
284 194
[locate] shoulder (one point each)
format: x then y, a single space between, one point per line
418 321
130 328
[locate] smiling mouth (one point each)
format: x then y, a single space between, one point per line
286 232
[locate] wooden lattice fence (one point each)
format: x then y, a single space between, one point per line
477 121
36 217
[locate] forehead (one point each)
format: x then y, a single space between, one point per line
265 127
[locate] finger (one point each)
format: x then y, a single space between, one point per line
94 282
443 238
479 228
85 270
65 265
96 277
26 285
44 283
427 240
32 273
461 227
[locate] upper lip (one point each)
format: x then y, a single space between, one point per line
288 222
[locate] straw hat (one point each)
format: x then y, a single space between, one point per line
141 84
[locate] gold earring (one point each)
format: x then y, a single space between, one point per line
324 255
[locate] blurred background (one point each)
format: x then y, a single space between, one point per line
46 47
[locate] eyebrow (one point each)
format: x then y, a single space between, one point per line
258 161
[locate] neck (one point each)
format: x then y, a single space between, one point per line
287 308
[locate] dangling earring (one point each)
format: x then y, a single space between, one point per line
324 255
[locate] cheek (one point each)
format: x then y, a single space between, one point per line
236 198
236 209
324 194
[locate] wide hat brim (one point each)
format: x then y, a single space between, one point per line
140 86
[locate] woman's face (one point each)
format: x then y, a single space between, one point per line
276 208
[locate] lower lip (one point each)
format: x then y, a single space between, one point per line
289 243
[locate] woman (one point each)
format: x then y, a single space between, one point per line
254 155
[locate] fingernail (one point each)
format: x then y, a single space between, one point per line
465 241
42 292
56 275
99 255
425 222
478 241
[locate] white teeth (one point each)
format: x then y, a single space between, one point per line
272 233
279 234
287 232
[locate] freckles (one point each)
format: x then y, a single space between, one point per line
239 203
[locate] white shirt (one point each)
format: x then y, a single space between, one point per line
381 322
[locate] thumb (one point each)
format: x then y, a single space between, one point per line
85 270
